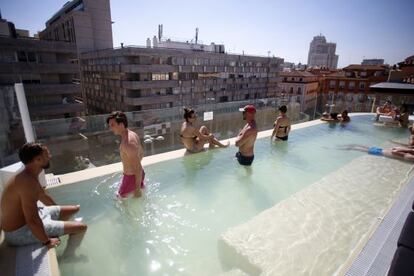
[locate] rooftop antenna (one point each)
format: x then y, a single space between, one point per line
196 37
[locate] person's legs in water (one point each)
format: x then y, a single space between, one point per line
212 140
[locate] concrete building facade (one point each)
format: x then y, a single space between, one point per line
87 23
50 73
322 53
349 88
134 79
374 61
301 87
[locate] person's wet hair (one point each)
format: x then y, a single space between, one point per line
119 117
188 112
334 115
403 108
283 109
29 151
345 112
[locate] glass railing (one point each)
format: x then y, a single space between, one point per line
80 143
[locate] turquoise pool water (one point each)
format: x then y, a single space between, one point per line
189 202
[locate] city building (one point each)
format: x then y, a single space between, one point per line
50 74
374 61
349 88
322 53
87 23
399 87
134 78
301 87
403 72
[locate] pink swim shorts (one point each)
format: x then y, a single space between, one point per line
128 184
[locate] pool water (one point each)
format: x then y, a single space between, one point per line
189 202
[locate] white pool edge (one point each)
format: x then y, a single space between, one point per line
83 175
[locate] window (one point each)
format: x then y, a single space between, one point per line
332 84
363 74
160 77
299 90
342 84
351 85
362 85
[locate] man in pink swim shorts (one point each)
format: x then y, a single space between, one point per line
131 155
129 185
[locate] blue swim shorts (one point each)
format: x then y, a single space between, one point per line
375 151
52 226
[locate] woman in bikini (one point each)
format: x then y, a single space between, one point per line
282 125
194 139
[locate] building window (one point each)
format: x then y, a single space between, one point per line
351 85
332 84
341 84
160 77
362 85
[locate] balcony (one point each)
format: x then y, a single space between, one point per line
36 45
150 100
154 68
51 89
56 109
149 84
38 68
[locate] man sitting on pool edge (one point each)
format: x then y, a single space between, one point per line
29 215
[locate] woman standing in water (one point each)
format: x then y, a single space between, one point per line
282 125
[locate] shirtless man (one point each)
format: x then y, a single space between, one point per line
247 136
281 126
131 155
24 219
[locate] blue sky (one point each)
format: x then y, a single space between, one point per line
361 28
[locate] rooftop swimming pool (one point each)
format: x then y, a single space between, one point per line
190 202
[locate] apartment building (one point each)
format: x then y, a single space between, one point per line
50 74
134 78
87 23
301 87
349 88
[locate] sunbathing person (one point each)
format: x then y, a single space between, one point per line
385 110
406 154
194 139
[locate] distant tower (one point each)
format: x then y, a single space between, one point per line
322 53
155 42
159 32
196 37
148 42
